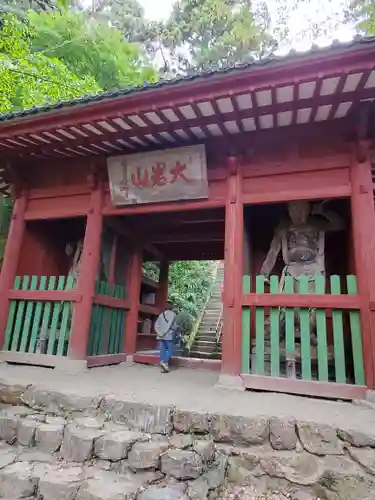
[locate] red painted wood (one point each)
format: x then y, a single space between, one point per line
44 296
231 336
134 280
203 364
105 359
263 77
363 224
10 260
296 165
88 274
105 300
298 300
329 390
57 208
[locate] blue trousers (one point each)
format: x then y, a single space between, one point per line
166 348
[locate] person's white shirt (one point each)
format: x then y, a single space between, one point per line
164 322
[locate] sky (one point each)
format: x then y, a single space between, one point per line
328 14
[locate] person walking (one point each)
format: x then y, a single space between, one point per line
166 332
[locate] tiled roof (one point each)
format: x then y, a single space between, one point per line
292 57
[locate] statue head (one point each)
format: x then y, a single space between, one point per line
299 211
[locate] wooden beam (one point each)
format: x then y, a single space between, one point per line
88 272
45 296
106 301
326 301
11 257
329 390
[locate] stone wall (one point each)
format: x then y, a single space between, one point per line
61 447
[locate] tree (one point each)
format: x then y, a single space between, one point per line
204 34
28 79
90 47
362 14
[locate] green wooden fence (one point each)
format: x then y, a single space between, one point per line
107 323
39 326
269 335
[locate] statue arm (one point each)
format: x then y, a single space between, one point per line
333 221
273 252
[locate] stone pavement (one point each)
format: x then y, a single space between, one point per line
132 433
188 389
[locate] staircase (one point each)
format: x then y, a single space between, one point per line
207 343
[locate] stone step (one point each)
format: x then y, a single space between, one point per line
131 450
205 355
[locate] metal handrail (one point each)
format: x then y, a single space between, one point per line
219 326
194 332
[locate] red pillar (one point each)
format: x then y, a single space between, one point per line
134 291
363 221
11 257
88 273
233 253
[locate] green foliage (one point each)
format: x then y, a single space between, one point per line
28 79
90 48
362 12
189 283
217 33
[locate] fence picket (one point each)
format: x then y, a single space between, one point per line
304 318
19 316
289 321
259 329
37 316
338 334
66 308
55 318
356 335
11 316
28 317
246 341
321 331
47 313
275 330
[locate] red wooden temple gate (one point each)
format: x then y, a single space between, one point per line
296 128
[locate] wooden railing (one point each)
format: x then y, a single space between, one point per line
39 318
274 345
107 320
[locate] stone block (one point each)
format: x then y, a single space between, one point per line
205 448
357 438
26 431
191 421
60 483
139 416
115 445
364 457
215 474
78 443
181 441
55 420
48 437
163 493
18 481
283 434
58 403
109 486
182 464
9 425
198 489
88 423
319 439
302 469
36 456
244 469
11 394
8 455
239 430
146 455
